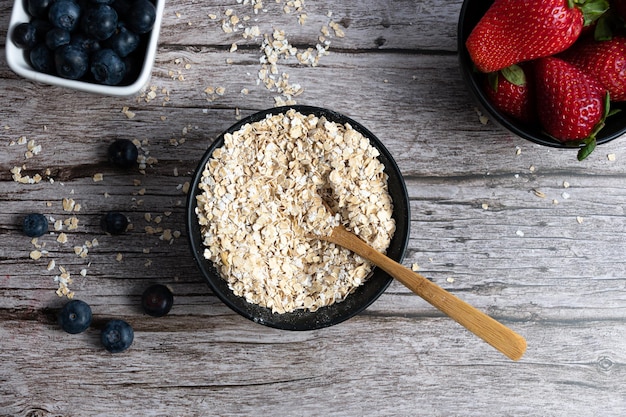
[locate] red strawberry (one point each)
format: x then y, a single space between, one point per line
571 104
606 60
511 92
512 31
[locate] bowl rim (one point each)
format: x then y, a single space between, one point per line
17 62
336 313
467 73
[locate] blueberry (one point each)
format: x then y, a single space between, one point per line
57 37
42 26
157 300
99 21
24 35
114 223
134 65
38 8
141 16
89 45
123 153
35 225
42 58
107 67
75 316
123 42
121 7
64 14
71 61
117 336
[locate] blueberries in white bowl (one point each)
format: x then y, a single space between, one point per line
64 14
24 35
107 67
86 40
71 61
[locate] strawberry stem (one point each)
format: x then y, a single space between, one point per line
588 147
591 9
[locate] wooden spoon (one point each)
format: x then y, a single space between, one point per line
491 331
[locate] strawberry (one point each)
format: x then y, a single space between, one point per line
606 60
513 31
511 92
571 104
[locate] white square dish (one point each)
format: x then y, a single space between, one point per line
18 63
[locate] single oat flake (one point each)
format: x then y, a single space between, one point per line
263 201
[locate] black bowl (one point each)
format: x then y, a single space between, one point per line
354 303
471 12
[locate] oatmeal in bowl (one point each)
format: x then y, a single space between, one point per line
264 190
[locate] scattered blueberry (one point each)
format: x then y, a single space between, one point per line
64 14
141 16
123 42
117 336
38 8
123 153
157 300
114 223
99 21
75 316
35 225
71 61
57 37
24 35
107 67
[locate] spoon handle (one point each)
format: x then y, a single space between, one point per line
491 331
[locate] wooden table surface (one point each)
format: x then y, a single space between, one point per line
526 233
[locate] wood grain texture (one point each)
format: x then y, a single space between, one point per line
525 233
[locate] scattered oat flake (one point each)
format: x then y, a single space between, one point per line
579 219
450 279
485 206
98 177
539 194
35 254
519 233
127 112
62 238
119 257
415 267
68 204
565 184
611 157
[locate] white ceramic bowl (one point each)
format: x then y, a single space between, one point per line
18 63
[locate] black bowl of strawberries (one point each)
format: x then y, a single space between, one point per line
549 72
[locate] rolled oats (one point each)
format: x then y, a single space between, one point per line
263 201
